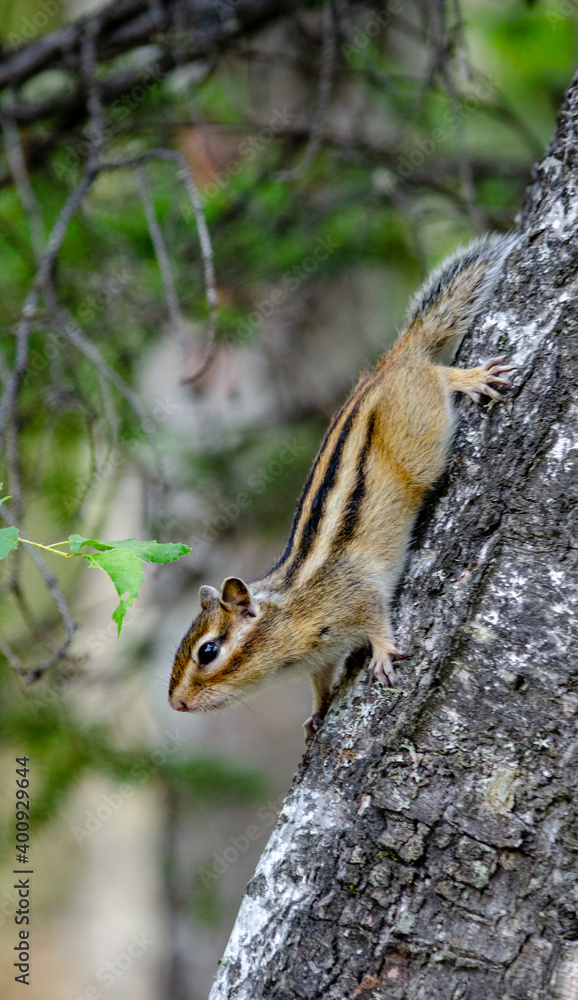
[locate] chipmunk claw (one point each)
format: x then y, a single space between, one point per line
383 671
493 370
311 725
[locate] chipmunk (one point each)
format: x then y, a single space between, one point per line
328 594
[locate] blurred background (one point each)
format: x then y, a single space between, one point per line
338 151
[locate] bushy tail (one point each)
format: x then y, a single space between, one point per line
456 292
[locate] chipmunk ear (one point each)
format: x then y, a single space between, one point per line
207 596
236 596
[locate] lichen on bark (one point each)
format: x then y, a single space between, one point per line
429 844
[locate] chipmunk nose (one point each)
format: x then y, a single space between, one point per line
179 704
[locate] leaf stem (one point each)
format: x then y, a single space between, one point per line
49 548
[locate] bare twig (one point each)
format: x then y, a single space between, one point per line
46 264
10 655
17 163
94 98
57 596
504 112
461 52
186 176
72 332
441 64
323 96
43 285
208 266
120 27
67 325
57 654
12 455
162 256
8 403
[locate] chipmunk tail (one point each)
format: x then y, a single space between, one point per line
456 292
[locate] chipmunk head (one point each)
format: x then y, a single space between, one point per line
218 656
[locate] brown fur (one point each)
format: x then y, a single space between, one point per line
329 592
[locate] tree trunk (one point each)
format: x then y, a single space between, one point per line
429 844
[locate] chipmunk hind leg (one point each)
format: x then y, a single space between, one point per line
416 421
321 682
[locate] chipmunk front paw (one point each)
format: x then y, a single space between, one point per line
490 374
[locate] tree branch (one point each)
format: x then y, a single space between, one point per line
121 27
427 847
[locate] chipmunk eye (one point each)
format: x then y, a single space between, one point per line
207 652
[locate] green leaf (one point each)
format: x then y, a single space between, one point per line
122 562
120 611
8 540
155 552
77 541
125 570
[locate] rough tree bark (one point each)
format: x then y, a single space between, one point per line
429 844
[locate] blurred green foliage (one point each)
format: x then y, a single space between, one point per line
397 202
64 749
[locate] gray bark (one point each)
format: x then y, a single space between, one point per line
429 844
